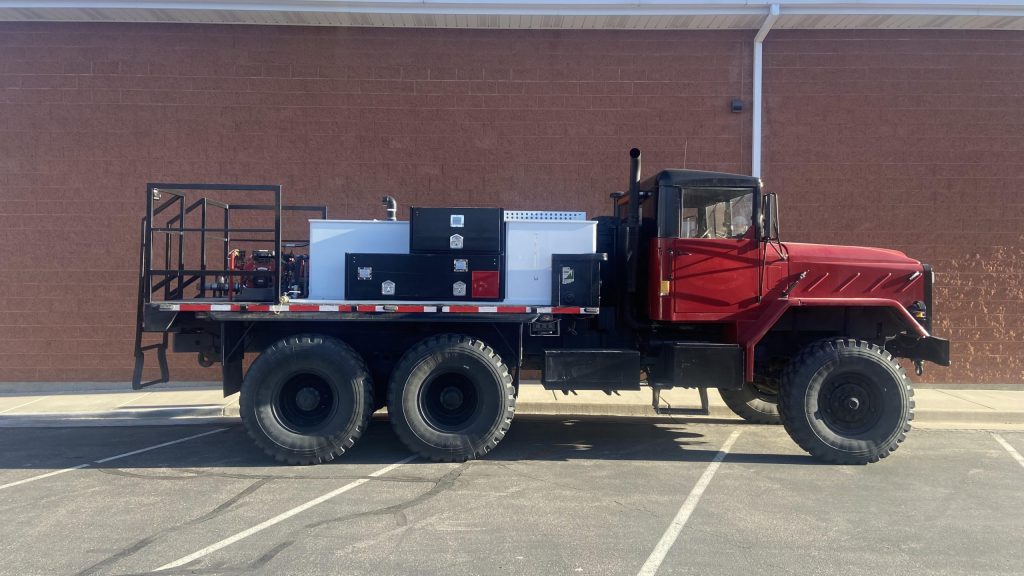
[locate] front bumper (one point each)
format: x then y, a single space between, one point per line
927 348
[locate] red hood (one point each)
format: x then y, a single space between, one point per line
825 254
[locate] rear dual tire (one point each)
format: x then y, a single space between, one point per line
306 399
451 398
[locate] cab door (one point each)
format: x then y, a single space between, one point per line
712 264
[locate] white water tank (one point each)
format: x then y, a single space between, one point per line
528 249
330 240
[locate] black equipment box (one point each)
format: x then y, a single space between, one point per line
576 279
698 364
601 369
457 230
430 277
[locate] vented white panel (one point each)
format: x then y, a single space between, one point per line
542 216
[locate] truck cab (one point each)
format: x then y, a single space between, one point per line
714 260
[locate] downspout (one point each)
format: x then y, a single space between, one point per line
755 152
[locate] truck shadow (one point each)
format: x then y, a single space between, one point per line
531 438
659 439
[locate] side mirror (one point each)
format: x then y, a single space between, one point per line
770 217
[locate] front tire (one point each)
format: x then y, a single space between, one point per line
306 399
753 405
451 398
846 401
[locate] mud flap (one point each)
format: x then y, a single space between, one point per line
232 350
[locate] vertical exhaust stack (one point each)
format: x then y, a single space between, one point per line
391 205
634 189
633 221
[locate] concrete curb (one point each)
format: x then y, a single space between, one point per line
86 387
621 410
168 416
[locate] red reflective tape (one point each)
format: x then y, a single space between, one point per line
513 309
366 308
257 308
485 283
566 310
408 308
303 308
193 307
469 309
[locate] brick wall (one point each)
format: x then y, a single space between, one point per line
90 113
915 141
906 140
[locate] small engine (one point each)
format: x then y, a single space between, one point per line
259 286
294 271
259 261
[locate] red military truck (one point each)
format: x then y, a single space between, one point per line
687 284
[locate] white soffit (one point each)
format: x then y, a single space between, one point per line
565 14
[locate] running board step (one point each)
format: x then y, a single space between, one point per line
668 410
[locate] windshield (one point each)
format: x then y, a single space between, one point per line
716 212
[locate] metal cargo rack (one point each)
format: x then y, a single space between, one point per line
171 218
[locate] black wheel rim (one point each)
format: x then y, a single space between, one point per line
850 404
449 401
304 403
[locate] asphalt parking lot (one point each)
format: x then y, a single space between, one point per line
560 495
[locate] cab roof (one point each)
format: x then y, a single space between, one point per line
699 179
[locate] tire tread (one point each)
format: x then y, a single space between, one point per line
803 435
336 449
414 355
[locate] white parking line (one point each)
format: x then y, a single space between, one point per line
280 517
109 459
23 405
1013 451
670 535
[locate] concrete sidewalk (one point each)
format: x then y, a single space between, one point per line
192 404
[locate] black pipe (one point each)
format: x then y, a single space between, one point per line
634 189
391 206
629 304
615 202
633 221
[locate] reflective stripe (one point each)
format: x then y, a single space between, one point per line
398 308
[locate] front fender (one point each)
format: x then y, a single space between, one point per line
750 336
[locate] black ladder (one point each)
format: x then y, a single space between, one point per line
140 350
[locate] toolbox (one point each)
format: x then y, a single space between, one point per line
425 277
456 230
576 279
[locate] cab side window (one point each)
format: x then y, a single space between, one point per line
716 212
